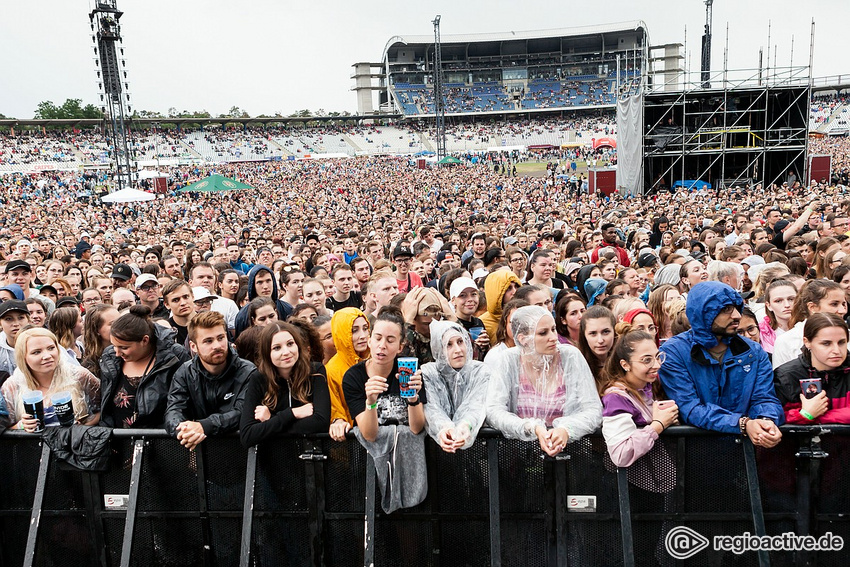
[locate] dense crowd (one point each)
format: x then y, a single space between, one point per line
368 295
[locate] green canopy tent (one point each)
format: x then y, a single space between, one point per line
215 184
449 160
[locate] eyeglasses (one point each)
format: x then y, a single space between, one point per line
518 259
149 287
649 361
403 260
91 301
752 330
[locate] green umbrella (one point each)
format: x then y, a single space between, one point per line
449 160
216 183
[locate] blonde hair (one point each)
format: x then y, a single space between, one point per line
626 305
64 378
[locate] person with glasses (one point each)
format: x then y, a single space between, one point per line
720 381
749 326
517 260
634 412
147 288
407 279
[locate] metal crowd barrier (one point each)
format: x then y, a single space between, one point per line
312 501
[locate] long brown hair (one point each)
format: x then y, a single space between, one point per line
93 344
655 304
813 291
299 379
594 312
823 245
623 349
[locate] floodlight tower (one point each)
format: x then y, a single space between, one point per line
439 103
705 63
112 81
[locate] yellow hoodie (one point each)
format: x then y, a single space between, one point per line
495 286
345 358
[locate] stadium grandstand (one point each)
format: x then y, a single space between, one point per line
512 72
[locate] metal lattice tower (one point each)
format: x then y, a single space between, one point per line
112 81
705 59
439 103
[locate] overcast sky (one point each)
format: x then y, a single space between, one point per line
268 56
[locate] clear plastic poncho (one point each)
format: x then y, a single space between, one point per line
456 398
554 390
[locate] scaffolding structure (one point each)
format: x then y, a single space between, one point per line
439 101
112 82
748 129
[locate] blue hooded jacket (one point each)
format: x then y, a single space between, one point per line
710 394
243 320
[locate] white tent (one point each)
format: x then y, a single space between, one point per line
151 173
128 196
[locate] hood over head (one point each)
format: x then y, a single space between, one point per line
341 324
441 333
495 286
252 275
704 303
581 278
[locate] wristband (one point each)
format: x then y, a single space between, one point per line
659 423
372 406
742 423
416 403
807 415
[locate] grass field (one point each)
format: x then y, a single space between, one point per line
538 169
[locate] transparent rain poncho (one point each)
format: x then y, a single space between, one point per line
551 390
456 398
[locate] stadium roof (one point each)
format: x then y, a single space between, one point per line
520 35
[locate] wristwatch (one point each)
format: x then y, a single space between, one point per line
742 424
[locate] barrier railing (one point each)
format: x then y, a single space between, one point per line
312 501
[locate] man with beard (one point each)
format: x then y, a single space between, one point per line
207 392
721 381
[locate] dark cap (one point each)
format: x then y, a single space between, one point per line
441 255
81 247
402 251
312 237
780 225
13 305
122 272
67 301
698 255
647 259
18 264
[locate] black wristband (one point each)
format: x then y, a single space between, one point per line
416 403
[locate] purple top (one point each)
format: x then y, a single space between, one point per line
614 404
531 404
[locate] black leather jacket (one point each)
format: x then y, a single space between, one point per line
213 401
152 393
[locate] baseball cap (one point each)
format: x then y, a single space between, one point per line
441 255
510 241
67 301
145 278
13 305
647 259
121 272
780 225
202 293
459 285
400 251
753 260
18 264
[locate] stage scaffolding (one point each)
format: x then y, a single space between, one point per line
751 127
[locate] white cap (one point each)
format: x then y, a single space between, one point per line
145 278
459 285
202 293
480 273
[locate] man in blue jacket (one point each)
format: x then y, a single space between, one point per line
720 380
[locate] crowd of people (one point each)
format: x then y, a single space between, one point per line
370 296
